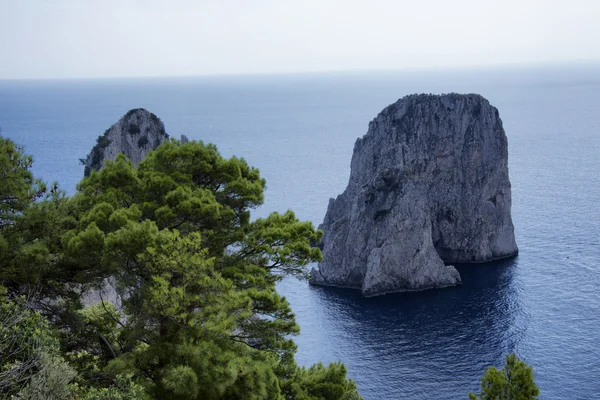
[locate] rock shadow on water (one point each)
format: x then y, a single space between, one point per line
413 343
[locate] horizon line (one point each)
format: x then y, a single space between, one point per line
433 68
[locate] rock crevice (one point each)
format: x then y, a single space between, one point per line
428 185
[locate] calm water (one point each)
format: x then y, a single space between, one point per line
300 131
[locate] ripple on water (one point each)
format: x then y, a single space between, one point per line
300 131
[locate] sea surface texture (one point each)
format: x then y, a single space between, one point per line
300 131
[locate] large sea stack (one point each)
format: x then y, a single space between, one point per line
428 186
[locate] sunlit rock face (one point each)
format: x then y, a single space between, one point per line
428 186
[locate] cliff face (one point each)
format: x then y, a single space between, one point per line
428 184
134 135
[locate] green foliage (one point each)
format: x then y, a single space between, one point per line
23 336
199 316
52 380
122 389
201 304
129 113
187 313
95 338
322 383
281 244
30 365
18 192
97 153
32 219
18 188
103 141
513 382
155 118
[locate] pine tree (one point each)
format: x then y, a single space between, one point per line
32 218
513 382
201 317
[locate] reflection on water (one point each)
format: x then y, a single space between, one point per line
409 344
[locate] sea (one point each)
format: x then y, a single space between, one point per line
299 130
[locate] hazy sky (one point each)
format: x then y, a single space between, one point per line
106 38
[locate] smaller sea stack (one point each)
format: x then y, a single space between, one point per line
134 135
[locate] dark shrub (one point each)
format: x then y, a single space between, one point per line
142 141
133 129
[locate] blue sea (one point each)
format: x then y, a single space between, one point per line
299 130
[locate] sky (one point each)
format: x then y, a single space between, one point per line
126 38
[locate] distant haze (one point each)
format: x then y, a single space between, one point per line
113 38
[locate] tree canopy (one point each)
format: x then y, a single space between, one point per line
513 382
198 315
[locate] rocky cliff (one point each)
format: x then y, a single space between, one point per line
428 186
134 135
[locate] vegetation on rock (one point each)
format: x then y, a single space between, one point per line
133 129
142 141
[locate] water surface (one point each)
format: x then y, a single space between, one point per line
300 131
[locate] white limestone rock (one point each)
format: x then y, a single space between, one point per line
428 184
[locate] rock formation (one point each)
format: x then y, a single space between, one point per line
428 186
134 135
